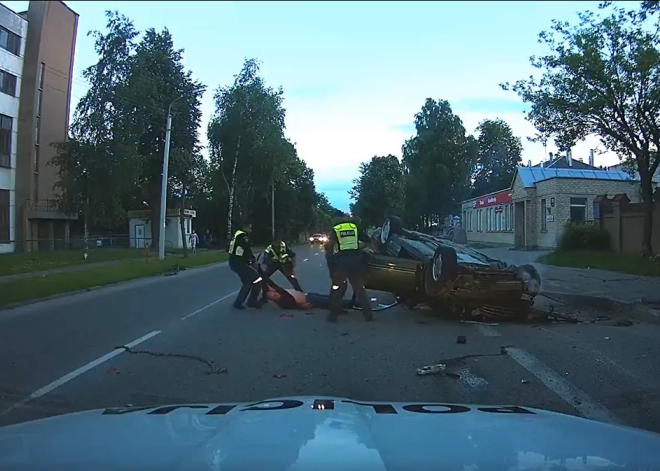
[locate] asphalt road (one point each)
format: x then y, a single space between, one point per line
62 352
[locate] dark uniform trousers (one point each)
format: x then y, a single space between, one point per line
251 282
286 269
352 267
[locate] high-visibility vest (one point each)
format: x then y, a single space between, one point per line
233 250
283 255
347 237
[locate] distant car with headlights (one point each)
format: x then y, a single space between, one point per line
318 239
419 268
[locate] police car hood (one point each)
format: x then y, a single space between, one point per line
311 433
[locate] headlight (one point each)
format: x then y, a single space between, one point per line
324 239
311 239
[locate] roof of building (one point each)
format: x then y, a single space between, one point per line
530 176
562 162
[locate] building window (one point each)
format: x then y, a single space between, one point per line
578 209
4 216
7 83
10 41
544 226
39 102
42 68
37 130
5 141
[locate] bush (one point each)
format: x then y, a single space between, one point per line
582 236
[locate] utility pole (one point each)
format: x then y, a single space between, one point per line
272 211
163 186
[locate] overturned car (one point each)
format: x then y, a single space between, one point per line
418 268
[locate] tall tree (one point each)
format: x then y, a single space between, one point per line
500 152
95 165
379 191
246 136
157 80
438 162
600 78
118 130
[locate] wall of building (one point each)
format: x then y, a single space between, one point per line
488 222
562 190
173 237
9 106
44 114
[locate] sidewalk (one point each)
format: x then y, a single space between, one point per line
581 281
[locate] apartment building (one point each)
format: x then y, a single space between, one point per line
37 49
13 30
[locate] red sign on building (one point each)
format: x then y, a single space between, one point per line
502 197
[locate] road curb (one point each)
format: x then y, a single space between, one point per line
10 307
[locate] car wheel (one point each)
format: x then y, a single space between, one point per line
531 278
442 267
391 226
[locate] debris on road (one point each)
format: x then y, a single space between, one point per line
607 338
524 381
461 340
286 315
624 323
279 376
212 368
492 324
343 334
112 369
431 370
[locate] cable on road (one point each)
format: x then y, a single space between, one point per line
212 368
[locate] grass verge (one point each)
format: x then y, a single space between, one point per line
614 261
29 289
17 263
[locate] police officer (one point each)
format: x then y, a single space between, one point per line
241 262
348 263
279 257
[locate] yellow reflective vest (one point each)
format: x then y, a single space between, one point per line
347 237
233 249
283 255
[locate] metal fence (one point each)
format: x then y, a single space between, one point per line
76 242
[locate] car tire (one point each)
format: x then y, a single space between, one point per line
442 268
530 276
390 227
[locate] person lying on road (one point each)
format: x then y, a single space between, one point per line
292 299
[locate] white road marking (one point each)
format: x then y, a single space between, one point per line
74 374
305 260
208 306
577 398
488 331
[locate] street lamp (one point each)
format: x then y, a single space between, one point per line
163 187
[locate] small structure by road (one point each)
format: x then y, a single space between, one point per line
139 227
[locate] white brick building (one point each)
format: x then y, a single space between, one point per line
532 213
13 30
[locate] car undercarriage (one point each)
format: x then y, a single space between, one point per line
449 277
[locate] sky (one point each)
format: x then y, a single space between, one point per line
354 73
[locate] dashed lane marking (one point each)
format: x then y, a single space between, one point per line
208 305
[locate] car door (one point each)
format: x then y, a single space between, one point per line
393 274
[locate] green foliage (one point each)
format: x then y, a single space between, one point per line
112 162
583 236
438 162
379 191
600 77
500 152
250 154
